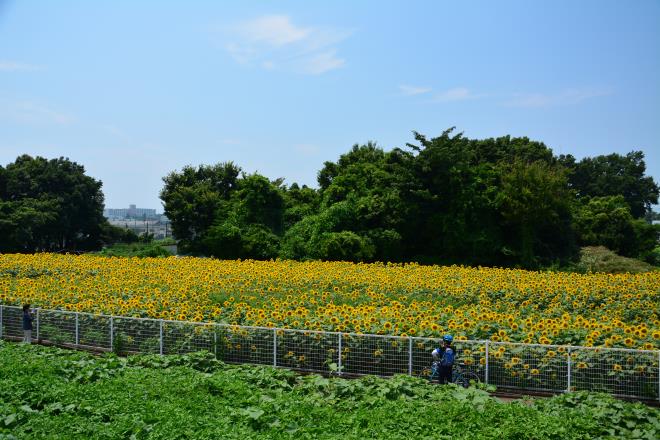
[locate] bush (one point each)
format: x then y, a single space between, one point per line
601 259
344 246
142 250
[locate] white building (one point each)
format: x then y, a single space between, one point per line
131 212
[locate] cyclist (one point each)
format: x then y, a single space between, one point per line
443 360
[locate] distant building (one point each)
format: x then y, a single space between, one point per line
140 220
132 212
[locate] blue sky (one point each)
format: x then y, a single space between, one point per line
134 90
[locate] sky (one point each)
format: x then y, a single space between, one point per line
135 90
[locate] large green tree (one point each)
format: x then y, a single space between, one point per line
249 224
217 210
193 197
614 175
607 221
361 209
49 205
535 205
451 203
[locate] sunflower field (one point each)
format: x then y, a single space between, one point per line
502 305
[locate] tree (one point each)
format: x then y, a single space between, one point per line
451 217
614 175
248 225
216 210
299 202
49 205
114 234
534 202
193 197
607 221
489 202
505 201
258 201
368 183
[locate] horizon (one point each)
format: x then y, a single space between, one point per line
135 91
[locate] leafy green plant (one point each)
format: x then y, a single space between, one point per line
54 393
119 343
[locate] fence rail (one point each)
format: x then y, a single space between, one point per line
525 367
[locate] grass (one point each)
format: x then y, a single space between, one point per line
600 259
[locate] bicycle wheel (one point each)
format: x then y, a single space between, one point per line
458 378
471 378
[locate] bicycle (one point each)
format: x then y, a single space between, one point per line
458 376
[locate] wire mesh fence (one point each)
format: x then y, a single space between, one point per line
523 367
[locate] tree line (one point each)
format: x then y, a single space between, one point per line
52 205
449 200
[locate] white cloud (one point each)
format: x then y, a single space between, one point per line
456 94
322 62
15 66
30 112
275 42
274 30
408 90
565 97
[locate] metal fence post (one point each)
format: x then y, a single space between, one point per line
486 372
339 356
274 347
160 341
77 330
111 333
215 341
568 370
0 321
410 344
37 324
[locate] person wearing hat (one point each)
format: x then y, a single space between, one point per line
443 361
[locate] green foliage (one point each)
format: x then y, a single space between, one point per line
449 200
53 393
111 234
192 198
607 221
142 250
49 205
535 206
216 212
229 240
613 175
605 416
344 246
654 256
119 343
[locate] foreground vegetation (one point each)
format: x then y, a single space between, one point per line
52 393
612 310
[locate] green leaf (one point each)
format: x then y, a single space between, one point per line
254 413
10 419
